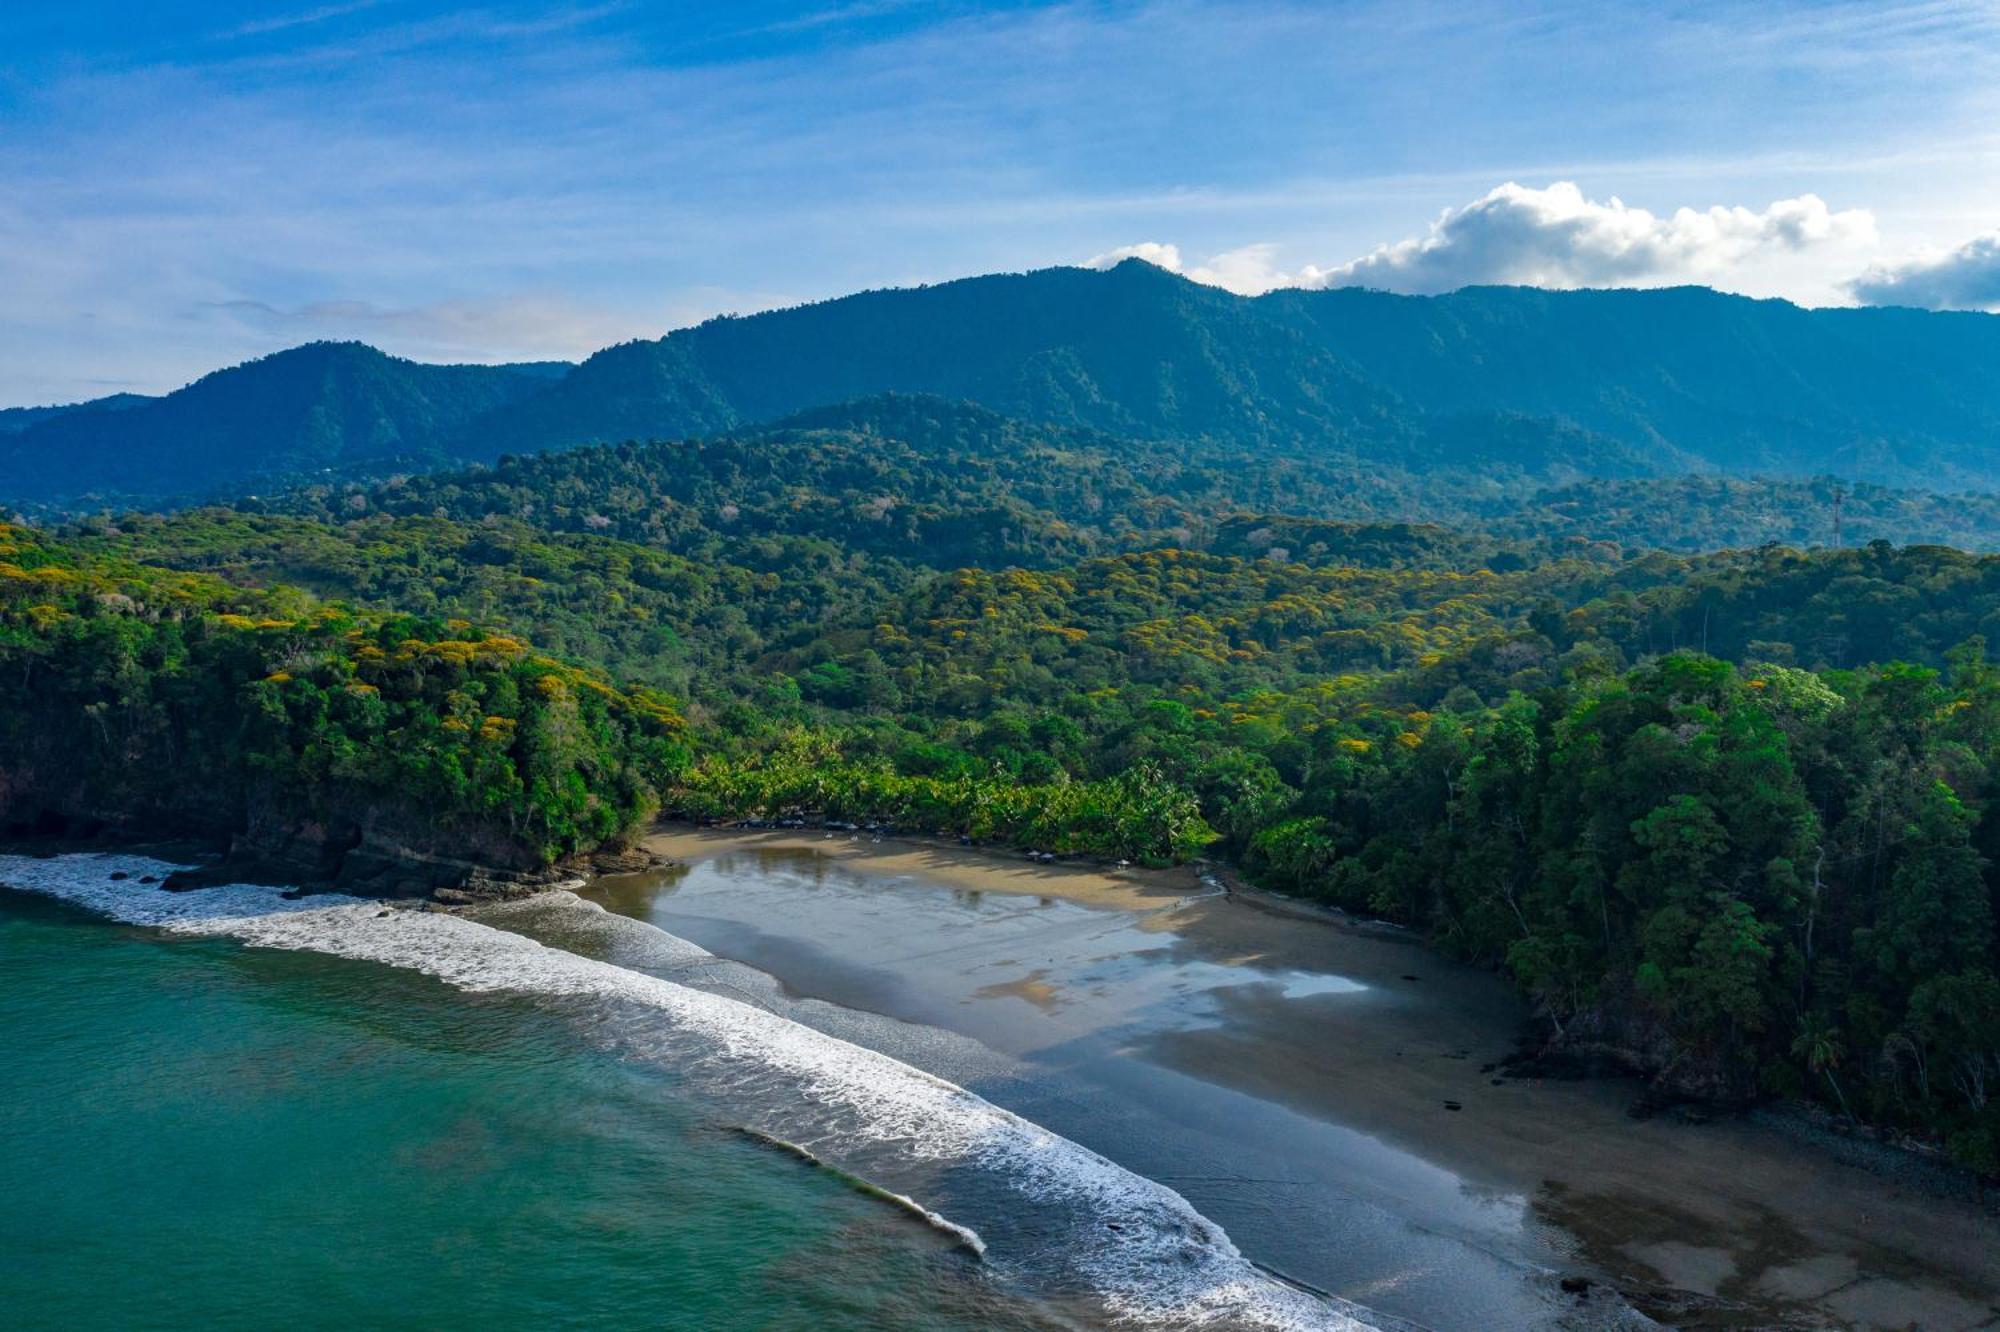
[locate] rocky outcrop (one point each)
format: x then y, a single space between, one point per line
371 851
1614 1040
623 860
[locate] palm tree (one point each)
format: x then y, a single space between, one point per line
1818 1047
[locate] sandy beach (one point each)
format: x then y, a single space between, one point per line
1329 1093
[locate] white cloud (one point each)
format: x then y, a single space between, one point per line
1558 238
1158 254
1515 235
510 328
1967 278
1247 271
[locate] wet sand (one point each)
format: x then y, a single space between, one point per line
1295 1077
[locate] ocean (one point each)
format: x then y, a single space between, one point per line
229 1109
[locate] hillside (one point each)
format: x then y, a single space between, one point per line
917 478
397 755
945 483
340 407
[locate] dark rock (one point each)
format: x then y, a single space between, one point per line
625 860
1453 1105
1627 1041
1576 1285
367 850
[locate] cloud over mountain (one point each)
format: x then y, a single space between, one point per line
1559 238
1247 271
1967 278
1556 237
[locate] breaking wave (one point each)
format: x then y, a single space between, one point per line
1077 1224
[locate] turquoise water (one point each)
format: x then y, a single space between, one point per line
195 1133
232 1108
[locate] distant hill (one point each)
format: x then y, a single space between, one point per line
327 406
13 420
1501 384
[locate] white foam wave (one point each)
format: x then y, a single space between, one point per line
1150 1256
965 1235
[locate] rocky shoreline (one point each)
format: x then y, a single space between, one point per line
364 868
404 874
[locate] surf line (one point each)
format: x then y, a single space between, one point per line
1140 1246
966 1237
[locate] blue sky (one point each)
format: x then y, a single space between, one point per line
186 185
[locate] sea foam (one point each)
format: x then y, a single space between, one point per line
1144 1251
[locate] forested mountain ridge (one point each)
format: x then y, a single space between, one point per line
326 406
1551 386
1708 378
1690 376
1132 351
1747 386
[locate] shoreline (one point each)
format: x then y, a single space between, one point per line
1687 1220
1101 883
976 868
1764 1207
669 844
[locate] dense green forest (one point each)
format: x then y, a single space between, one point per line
945 482
1729 817
646 614
171 701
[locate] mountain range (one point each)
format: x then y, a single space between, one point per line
1501 386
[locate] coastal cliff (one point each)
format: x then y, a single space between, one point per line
321 745
362 850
